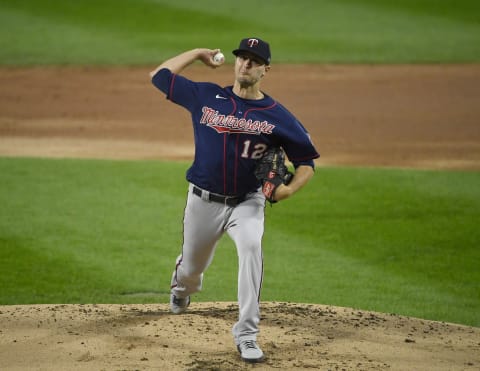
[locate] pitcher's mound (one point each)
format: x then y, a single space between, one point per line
293 336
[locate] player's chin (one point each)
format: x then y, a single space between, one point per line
243 78
247 80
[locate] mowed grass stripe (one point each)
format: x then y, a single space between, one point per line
146 31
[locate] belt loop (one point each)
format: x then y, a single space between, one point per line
205 195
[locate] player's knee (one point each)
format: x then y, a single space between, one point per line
249 247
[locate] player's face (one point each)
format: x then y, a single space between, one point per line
249 69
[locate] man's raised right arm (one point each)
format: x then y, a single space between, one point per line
181 61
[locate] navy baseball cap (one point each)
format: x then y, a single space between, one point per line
256 47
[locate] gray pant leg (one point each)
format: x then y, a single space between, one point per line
246 227
203 226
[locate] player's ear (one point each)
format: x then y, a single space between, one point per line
267 68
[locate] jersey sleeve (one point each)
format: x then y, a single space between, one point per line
177 88
301 151
296 141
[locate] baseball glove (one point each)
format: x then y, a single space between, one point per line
271 171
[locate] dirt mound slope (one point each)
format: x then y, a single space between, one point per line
293 336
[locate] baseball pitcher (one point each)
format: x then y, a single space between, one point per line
242 136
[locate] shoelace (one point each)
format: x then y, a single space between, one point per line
250 344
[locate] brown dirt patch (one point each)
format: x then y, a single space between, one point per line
293 336
412 116
408 116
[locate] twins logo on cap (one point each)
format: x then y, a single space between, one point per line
255 46
252 42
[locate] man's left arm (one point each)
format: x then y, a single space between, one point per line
302 176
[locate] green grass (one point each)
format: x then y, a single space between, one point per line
75 231
148 31
387 240
395 241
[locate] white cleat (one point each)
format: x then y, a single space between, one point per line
250 352
179 305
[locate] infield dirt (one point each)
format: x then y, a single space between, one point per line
394 116
412 116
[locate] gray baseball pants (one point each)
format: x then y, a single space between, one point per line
204 224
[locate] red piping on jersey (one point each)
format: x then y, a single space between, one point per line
225 163
259 109
235 169
170 90
234 106
225 154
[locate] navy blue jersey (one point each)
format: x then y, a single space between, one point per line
232 133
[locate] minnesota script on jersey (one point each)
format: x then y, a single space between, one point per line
232 133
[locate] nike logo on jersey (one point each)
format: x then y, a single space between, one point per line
218 96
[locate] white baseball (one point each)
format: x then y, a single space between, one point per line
219 57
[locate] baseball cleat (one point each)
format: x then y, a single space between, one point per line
250 352
179 305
